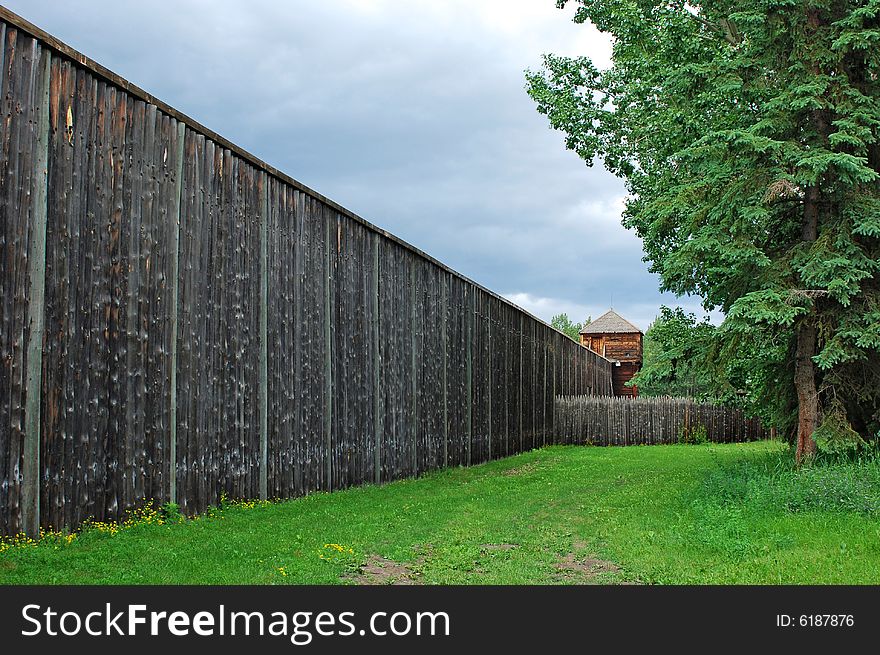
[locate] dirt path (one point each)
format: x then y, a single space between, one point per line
586 569
378 570
575 568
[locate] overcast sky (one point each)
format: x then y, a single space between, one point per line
412 114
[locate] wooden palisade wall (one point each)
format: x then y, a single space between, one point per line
622 421
181 320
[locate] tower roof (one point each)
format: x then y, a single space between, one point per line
611 323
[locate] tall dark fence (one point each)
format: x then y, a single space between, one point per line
180 319
623 421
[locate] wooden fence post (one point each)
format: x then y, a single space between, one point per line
175 295
489 375
444 316
469 371
548 407
519 401
687 420
414 426
374 328
328 357
36 263
301 479
263 385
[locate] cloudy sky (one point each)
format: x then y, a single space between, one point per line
412 114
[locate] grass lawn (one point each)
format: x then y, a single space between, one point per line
731 513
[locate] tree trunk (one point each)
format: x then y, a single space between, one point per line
807 335
807 343
808 396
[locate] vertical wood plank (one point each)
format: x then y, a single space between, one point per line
413 370
469 372
328 358
377 364
444 320
519 404
263 382
488 309
177 222
548 402
30 485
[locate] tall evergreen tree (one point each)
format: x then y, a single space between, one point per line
747 134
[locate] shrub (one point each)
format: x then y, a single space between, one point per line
171 513
836 438
697 434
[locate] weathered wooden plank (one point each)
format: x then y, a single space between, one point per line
263 382
11 411
176 217
487 363
396 356
415 352
61 313
298 485
286 452
498 380
36 265
458 311
429 366
444 340
377 361
108 303
353 357
481 383
538 389
328 355
471 316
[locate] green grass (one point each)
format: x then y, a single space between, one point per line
664 514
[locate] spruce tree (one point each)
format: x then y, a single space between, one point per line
747 135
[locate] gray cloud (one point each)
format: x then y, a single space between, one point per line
413 115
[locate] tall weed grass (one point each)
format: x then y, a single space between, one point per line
774 482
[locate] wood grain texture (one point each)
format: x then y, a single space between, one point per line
23 82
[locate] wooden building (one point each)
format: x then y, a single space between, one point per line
614 337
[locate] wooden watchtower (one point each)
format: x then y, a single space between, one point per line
614 337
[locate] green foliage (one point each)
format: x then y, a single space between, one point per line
695 434
673 356
836 437
725 365
728 121
171 513
572 330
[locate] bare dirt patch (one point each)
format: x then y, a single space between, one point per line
521 470
531 467
378 570
586 569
